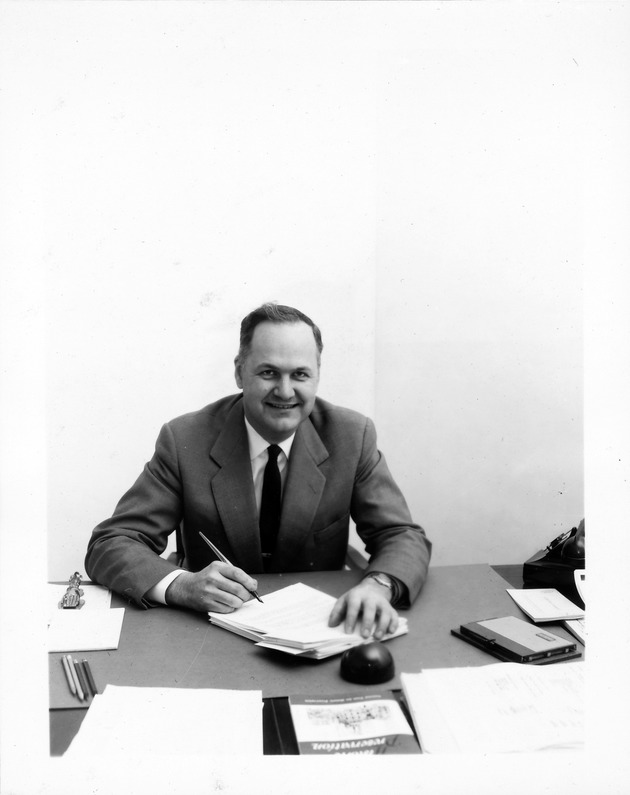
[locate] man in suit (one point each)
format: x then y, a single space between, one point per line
271 476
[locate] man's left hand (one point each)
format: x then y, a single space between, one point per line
365 609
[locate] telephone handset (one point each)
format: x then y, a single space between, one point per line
569 546
554 566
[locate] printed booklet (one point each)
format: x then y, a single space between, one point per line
361 724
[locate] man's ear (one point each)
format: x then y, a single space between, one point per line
237 373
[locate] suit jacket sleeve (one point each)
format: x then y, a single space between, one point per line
123 552
395 544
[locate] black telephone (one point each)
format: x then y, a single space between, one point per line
554 566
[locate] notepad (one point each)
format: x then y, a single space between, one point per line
85 630
545 604
294 620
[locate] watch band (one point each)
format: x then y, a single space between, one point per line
382 579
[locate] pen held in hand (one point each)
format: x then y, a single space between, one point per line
222 557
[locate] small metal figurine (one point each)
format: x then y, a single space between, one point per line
71 600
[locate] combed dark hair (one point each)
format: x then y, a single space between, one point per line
275 313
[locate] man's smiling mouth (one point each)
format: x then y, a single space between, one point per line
282 405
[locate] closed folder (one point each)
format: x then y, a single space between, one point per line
514 640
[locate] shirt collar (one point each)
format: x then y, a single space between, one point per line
257 444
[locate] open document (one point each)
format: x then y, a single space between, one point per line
294 620
503 707
171 722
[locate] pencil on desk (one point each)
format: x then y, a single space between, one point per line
75 677
70 680
222 557
82 682
83 674
88 675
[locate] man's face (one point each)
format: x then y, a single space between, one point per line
279 378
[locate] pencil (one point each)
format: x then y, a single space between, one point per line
222 557
81 668
88 675
83 683
69 678
75 677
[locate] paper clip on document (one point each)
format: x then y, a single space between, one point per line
71 600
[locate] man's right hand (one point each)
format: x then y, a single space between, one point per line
219 587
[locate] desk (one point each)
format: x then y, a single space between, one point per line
168 647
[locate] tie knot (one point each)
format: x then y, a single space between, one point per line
274 451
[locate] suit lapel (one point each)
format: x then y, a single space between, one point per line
302 493
233 491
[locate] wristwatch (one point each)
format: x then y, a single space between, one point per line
381 579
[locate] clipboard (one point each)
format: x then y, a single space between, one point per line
513 640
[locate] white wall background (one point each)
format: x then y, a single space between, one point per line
421 201
479 316
408 177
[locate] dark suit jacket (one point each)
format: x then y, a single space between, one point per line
200 479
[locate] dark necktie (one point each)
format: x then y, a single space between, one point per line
271 502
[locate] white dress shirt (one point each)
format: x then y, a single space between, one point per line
259 456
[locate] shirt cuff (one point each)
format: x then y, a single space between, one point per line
400 597
158 592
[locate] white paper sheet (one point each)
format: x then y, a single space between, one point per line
140 721
85 630
503 707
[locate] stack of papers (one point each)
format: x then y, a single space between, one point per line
132 721
504 707
294 620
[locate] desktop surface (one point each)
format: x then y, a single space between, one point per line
168 647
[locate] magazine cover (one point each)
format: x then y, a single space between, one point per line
361 724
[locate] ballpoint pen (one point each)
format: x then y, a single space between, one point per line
222 557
